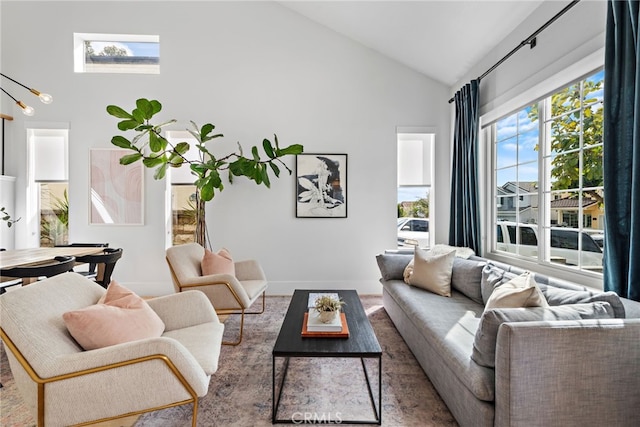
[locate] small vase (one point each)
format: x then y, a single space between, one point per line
327 316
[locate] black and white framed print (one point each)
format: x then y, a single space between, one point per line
321 190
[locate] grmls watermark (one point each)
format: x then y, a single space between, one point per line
316 418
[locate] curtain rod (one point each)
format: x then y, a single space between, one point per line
531 40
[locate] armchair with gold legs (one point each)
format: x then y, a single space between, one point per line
65 385
229 294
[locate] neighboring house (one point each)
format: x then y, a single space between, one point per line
520 194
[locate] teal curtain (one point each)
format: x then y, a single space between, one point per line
622 150
464 225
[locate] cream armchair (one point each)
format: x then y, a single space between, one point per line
65 385
228 294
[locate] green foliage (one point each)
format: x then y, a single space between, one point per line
7 218
565 136
419 208
155 151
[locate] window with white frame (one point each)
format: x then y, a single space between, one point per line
116 53
48 185
547 178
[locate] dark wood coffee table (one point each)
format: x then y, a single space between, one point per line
362 343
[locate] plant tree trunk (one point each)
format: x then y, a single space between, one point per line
201 225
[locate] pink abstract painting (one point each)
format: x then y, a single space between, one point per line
116 190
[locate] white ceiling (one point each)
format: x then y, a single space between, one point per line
441 39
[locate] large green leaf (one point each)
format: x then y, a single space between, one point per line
121 141
118 112
268 148
145 108
275 169
254 153
207 191
161 171
155 106
154 142
290 150
181 147
265 175
130 158
152 162
127 124
138 115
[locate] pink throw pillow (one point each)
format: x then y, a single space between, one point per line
119 316
220 263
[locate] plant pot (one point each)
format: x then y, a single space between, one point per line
327 316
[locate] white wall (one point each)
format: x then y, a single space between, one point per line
252 69
568 49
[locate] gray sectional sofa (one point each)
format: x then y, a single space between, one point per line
547 372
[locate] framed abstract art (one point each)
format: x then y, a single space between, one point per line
321 190
116 190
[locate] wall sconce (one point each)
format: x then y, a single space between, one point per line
27 110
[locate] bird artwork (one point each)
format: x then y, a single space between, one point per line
320 190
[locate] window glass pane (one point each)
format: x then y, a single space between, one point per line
54 214
183 209
116 53
572 186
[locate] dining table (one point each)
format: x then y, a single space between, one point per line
35 256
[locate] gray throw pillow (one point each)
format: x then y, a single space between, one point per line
493 276
558 296
392 265
466 278
484 344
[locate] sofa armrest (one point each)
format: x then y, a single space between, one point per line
560 373
183 309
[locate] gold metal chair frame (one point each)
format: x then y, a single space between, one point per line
224 310
43 381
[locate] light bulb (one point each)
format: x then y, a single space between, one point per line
26 110
45 98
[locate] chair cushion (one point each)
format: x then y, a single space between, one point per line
217 263
484 344
432 273
119 316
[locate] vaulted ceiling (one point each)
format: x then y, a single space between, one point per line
441 39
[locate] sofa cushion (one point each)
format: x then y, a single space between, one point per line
448 326
392 265
432 273
217 263
484 344
557 296
119 316
466 277
492 276
521 291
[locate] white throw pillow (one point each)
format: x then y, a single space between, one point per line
432 273
521 291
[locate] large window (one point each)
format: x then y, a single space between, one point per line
548 182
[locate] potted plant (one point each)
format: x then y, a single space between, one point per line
155 151
328 307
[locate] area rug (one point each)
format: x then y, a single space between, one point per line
324 389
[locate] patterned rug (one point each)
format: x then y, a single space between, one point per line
324 389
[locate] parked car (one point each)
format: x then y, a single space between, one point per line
413 232
564 244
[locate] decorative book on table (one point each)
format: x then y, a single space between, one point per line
313 327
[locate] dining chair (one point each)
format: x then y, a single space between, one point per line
105 261
91 271
28 273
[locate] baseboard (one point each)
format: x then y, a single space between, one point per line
364 287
